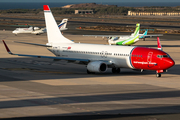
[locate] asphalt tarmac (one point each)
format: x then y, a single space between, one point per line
32 88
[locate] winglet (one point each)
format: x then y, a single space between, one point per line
46 8
159 44
8 50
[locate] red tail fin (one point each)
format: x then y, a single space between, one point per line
159 44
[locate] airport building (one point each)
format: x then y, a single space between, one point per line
131 13
84 12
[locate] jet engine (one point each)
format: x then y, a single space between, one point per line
97 66
36 28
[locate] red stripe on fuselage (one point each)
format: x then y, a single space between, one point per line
146 58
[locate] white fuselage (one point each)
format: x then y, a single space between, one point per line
119 55
23 30
41 31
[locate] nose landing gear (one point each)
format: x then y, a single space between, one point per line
158 74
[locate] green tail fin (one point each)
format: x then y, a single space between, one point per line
137 29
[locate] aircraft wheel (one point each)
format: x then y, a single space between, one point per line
118 70
113 70
158 75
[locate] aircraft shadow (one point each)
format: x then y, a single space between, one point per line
64 69
100 117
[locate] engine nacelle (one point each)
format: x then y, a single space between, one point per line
97 66
36 28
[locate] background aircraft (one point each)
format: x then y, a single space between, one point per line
98 58
122 39
126 40
37 30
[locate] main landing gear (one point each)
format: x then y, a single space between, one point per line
116 70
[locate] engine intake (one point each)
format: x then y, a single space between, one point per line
97 66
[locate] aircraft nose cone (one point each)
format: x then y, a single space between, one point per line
170 63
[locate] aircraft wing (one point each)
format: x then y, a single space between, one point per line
149 36
51 57
82 61
33 44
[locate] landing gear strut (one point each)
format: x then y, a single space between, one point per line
116 70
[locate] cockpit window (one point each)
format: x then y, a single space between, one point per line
116 38
162 56
165 55
159 56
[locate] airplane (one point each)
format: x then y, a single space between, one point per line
25 30
37 30
126 40
98 57
122 39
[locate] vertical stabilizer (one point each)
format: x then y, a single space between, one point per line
145 33
136 32
53 33
63 24
159 44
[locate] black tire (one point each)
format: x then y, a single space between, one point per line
158 75
113 70
118 70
